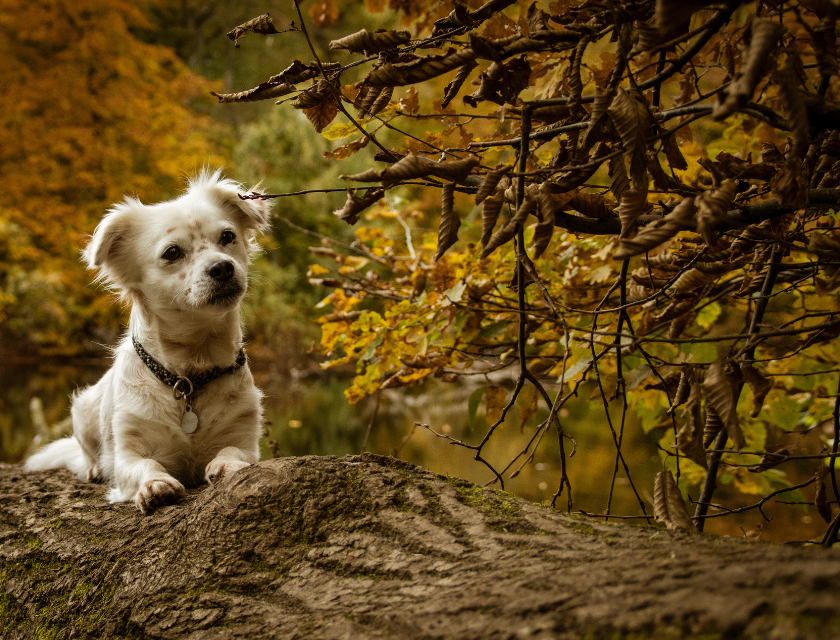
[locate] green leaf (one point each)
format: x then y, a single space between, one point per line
371 350
707 316
472 405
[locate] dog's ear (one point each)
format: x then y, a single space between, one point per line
254 214
107 250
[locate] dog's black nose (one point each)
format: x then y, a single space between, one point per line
221 270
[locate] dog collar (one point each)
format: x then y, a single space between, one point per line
186 386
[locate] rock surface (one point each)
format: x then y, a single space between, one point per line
371 547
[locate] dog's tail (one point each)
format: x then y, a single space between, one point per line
62 454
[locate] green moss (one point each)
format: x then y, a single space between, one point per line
12 615
580 527
45 629
34 543
81 590
56 524
107 600
500 508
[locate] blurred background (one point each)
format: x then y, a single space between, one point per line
102 99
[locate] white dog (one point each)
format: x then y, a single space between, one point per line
179 404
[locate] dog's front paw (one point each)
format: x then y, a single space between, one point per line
218 469
158 492
94 474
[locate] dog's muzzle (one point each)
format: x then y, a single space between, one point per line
222 270
225 288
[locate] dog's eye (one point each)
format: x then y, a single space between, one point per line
227 238
172 253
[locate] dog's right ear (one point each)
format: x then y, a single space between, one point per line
107 250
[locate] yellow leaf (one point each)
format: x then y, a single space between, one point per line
355 262
340 130
316 270
495 397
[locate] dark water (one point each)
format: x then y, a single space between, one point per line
312 416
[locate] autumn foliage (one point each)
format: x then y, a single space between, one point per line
641 195
88 113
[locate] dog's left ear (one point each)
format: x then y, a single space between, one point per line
254 214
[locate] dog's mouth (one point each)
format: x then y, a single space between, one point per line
225 293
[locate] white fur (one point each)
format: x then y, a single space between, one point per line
127 426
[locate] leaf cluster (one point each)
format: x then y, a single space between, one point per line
636 198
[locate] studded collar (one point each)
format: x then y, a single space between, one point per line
197 381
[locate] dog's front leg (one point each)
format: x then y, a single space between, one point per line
138 474
229 460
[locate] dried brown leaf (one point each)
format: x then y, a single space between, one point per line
680 219
647 35
489 216
355 205
668 504
414 166
632 121
264 91
684 388
820 494
673 153
790 184
261 24
722 397
758 383
315 95
366 97
366 42
546 224
632 205
797 113
381 102
765 36
322 114
451 90
299 72
491 180
677 309
507 232
591 205
777 453
597 117
345 151
690 436
393 75
619 182
449 221
712 427
501 83
712 207
569 180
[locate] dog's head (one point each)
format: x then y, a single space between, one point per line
190 253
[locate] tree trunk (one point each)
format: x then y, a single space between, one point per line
371 547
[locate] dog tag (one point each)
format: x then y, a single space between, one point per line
189 421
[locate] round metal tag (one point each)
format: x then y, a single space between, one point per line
189 423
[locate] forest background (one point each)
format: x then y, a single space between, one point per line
106 98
